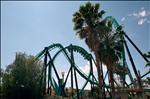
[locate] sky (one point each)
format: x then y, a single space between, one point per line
29 26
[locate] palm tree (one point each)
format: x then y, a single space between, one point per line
85 22
110 50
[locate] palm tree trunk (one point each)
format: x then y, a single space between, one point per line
112 82
99 75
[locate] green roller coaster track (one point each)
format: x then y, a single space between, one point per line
110 18
85 55
77 49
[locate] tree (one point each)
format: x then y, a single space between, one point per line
85 22
1 72
22 76
1 77
94 93
110 50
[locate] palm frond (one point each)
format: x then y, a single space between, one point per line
147 55
96 7
148 64
79 21
74 19
110 24
119 28
88 5
82 9
82 35
101 14
77 14
77 26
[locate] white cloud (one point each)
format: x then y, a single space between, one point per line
140 15
143 13
135 14
123 19
85 69
129 15
141 21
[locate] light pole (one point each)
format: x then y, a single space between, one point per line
62 73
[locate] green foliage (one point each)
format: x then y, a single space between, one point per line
110 48
1 72
21 78
95 92
86 19
148 95
130 97
1 76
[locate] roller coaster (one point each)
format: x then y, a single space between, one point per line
58 83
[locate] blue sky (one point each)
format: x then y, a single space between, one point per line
31 26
